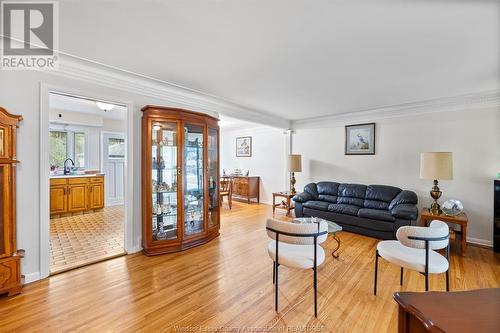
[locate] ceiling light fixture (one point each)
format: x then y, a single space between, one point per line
105 106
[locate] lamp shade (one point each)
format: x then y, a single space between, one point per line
294 163
436 165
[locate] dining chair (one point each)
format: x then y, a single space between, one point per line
296 244
226 190
415 249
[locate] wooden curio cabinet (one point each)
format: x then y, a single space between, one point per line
11 280
180 179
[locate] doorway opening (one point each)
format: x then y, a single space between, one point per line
87 155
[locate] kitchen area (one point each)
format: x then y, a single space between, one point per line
87 167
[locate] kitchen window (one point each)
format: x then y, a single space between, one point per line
65 144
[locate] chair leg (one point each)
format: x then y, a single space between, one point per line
426 281
276 290
376 269
401 277
274 271
448 280
316 292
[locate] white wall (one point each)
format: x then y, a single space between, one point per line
267 160
472 135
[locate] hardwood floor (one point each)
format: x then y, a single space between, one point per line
84 239
227 284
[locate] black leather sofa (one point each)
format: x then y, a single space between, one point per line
372 210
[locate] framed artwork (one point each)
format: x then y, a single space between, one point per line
244 146
360 139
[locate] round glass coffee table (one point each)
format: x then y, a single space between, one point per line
333 229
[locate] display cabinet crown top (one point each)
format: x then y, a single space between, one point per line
179 110
8 118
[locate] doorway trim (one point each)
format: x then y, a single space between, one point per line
45 90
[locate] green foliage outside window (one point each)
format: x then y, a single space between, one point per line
58 142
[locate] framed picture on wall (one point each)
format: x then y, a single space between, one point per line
244 146
360 139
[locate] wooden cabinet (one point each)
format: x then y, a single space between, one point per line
58 200
96 197
76 194
77 197
11 280
180 179
247 188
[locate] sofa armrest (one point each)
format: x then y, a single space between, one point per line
303 197
405 211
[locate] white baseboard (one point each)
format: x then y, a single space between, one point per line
31 277
134 249
481 242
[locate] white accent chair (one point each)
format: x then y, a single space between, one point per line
414 250
296 244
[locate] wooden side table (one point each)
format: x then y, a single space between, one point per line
461 219
284 204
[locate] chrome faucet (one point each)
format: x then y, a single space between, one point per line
67 170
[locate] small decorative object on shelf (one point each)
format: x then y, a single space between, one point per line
452 207
11 280
180 170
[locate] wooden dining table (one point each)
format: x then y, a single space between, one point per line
451 312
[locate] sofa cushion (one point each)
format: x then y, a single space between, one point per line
404 197
319 205
375 204
381 192
328 188
303 197
351 194
376 214
329 198
405 212
344 209
312 189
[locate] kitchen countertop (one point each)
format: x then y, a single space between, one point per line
78 176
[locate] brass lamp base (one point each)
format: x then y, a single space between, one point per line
292 184
435 194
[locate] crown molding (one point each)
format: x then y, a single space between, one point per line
474 101
73 67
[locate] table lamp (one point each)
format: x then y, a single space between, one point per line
436 166
294 165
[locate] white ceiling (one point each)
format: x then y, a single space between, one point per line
296 58
82 105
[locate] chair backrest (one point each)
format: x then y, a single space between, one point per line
436 229
298 228
225 184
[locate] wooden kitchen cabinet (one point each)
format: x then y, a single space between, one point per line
76 194
96 196
58 200
77 198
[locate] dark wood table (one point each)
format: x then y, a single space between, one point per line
451 312
285 204
461 219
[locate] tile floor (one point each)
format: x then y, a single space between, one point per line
84 239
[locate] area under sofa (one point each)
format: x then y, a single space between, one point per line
372 210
